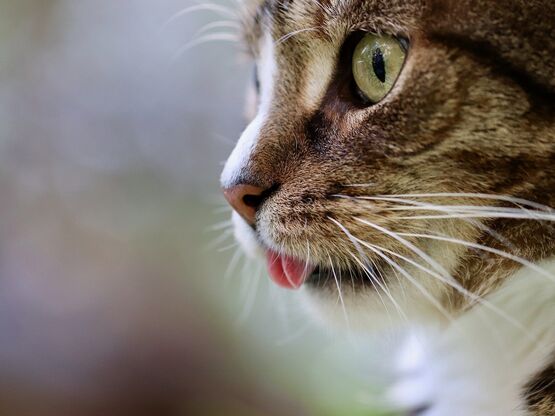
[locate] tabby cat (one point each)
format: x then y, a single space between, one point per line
401 163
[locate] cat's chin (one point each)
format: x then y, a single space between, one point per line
366 308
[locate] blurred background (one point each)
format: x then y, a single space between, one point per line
121 291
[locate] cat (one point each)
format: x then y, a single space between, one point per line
402 160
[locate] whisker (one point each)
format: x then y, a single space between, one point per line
245 278
210 7
233 263
293 335
289 35
221 24
446 278
225 140
409 277
212 37
427 206
251 297
228 247
455 285
535 217
373 279
220 226
352 279
546 213
359 185
218 240
321 6
505 198
339 293
477 246
409 245
456 208
279 303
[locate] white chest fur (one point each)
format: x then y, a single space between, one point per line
480 365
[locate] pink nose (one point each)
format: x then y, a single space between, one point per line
245 199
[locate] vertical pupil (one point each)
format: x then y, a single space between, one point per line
378 64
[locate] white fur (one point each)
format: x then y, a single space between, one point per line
480 365
246 237
239 158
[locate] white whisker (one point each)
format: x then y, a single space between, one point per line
250 297
228 247
455 285
409 245
483 211
536 216
441 208
409 277
358 185
220 226
477 246
505 198
340 295
222 24
218 240
209 7
233 263
212 37
293 335
293 33
373 279
456 208
245 278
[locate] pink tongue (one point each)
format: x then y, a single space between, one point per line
286 271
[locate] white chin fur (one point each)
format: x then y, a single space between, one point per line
245 236
367 310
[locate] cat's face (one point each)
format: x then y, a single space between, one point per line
335 188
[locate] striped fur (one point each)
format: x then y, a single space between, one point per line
471 114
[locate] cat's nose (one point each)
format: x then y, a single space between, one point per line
245 199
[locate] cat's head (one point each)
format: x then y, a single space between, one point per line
385 128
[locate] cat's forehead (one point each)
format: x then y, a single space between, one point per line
305 11
326 18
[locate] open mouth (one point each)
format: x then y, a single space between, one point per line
323 276
292 273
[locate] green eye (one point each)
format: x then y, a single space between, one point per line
377 63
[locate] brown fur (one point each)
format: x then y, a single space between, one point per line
540 393
473 112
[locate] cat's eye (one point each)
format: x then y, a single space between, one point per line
377 63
